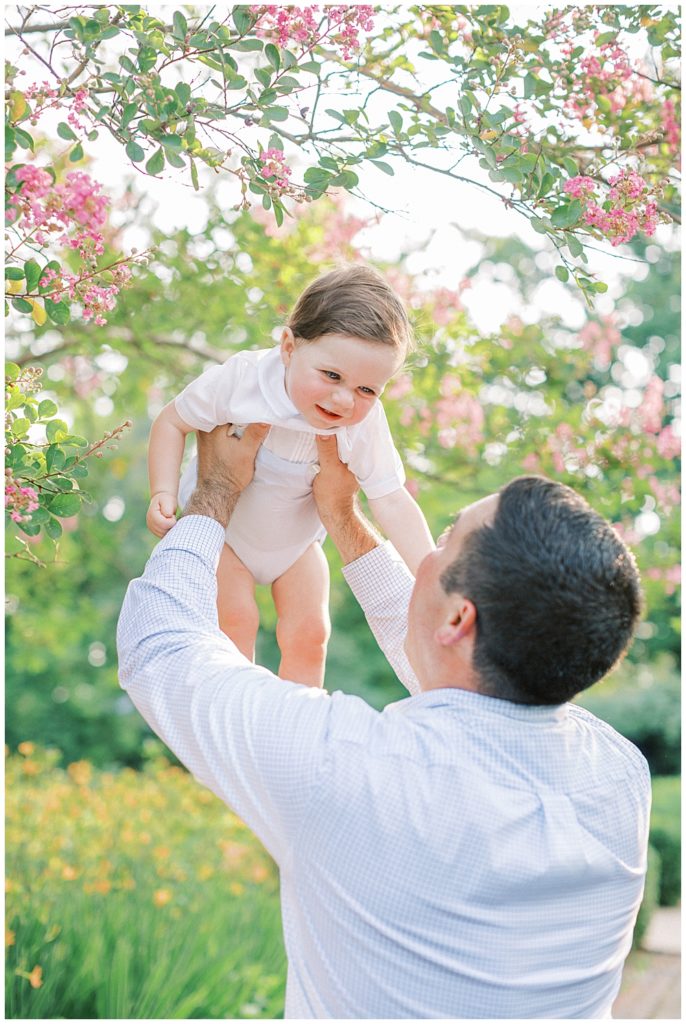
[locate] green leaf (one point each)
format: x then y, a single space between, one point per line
33 274
263 76
242 19
346 179
248 45
540 225
128 114
175 159
76 154
55 430
66 504
23 138
128 65
65 132
194 176
383 166
236 83
156 162
59 312
571 167
600 287
14 274
183 91
173 142
562 274
278 214
566 215
11 371
46 408
272 55
574 245
22 305
21 426
135 152
53 528
396 121
275 114
180 25
54 457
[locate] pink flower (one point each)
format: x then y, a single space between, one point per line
668 444
580 187
274 166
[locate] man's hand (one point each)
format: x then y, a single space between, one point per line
335 491
226 465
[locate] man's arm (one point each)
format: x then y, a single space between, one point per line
376 574
257 741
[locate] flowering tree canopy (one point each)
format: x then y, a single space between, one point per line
571 114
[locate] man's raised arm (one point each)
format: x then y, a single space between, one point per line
252 738
375 572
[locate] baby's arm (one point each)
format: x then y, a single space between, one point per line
165 452
403 522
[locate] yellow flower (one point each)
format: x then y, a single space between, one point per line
236 888
80 772
161 852
9 937
30 768
161 897
35 978
259 873
69 873
26 748
204 872
103 885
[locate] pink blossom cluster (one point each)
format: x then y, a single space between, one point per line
19 501
46 208
668 443
601 73
79 107
445 305
600 337
667 494
43 97
274 166
671 126
670 576
563 449
337 242
288 25
459 417
630 206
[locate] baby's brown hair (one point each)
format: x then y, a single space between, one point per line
355 301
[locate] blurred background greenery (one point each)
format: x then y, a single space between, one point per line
207 294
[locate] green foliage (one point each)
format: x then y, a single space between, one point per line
665 836
650 897
134 896
642 702
42 479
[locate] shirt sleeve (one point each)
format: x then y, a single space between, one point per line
257 741
383 584
205 403
374 459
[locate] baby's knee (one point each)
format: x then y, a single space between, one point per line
311 633
243 615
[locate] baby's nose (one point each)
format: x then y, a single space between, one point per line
343 399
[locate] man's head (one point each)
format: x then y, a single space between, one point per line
532 592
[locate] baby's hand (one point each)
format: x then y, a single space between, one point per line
161 513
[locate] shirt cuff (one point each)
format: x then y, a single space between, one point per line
199 535
378 564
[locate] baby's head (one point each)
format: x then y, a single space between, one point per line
346 337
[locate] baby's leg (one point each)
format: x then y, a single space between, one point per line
301 597
238 614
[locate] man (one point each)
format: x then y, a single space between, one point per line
476 850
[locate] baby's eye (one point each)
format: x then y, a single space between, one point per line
368 391
331 374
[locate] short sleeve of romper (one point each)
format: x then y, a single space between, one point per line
371 455
222 394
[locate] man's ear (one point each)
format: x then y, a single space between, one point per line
287 345
460 621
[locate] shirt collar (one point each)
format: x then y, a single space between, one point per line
271 375
479 703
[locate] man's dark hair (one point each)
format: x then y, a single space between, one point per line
556 591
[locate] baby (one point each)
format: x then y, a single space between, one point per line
347 336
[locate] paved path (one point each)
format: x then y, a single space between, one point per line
651 987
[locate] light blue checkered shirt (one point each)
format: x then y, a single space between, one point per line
454 856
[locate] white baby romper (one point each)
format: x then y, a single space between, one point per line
276 518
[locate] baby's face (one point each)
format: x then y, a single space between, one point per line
335 380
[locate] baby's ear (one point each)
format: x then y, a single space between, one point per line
287 345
